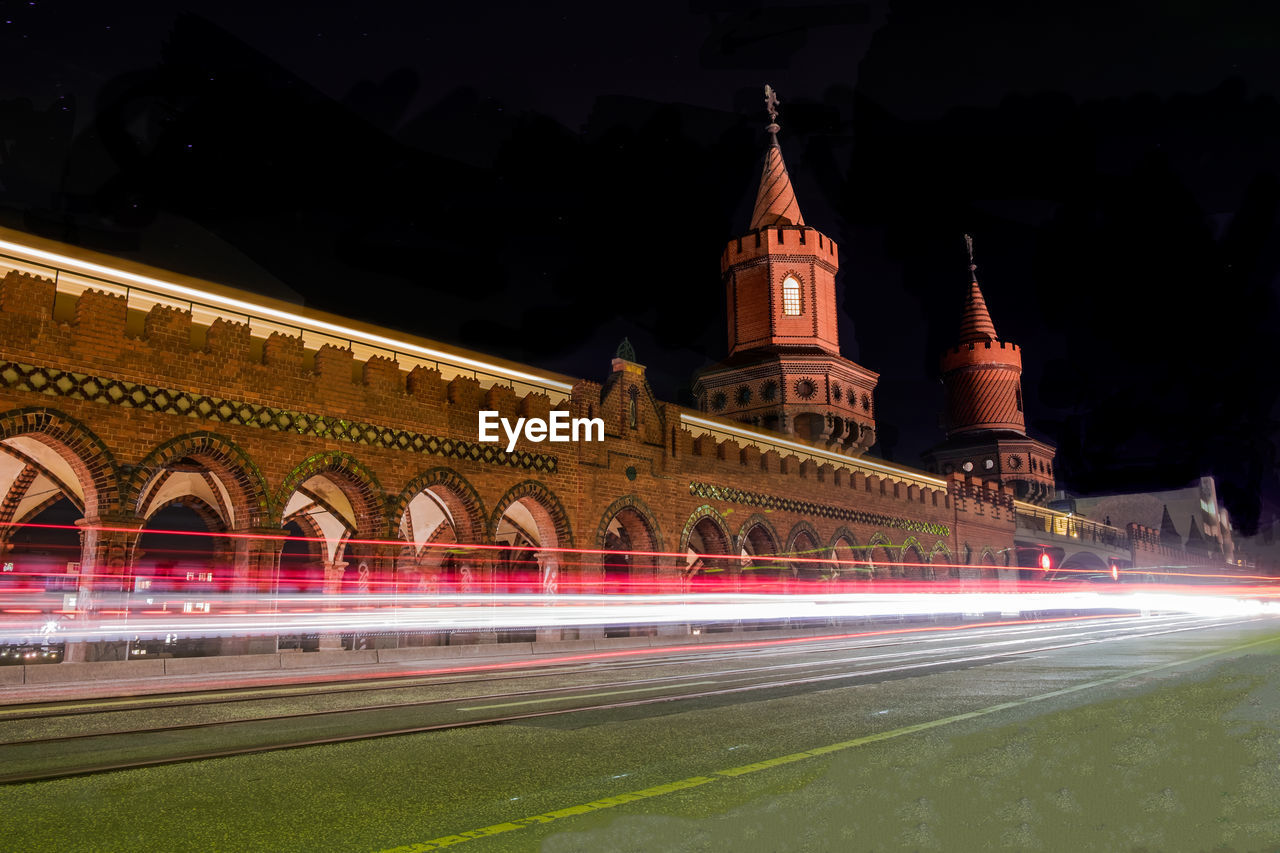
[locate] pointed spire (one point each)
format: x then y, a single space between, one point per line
775 201
976 324
1168 533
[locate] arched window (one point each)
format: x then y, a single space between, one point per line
791 296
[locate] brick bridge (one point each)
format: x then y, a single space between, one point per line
126 391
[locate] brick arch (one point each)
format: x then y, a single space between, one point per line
912 543
88 457
793 549
219 546
799 528
631 502
545 498
843 532
457 493
250 497
879 540
356 481
757 520
857 563
940 549
207 514
315 538
706 512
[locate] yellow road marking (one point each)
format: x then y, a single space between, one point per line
583 696
733 772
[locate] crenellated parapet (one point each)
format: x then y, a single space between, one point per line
983 493
982 353
781 240
166 347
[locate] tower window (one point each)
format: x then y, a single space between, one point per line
1017 398
791 296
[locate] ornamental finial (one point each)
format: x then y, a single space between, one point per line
771 104
973 268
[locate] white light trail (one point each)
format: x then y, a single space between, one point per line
245 615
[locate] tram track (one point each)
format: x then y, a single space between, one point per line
84 757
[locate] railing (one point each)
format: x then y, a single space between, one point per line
72 276
1072 526
786 447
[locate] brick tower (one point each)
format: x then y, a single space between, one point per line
986 431
784 371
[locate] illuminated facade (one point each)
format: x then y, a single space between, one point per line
321 454
784 371
983 414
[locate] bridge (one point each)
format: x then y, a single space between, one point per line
130 396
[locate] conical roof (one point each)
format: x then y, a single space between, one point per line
776 201
976 323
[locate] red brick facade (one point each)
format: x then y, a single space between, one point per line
264 415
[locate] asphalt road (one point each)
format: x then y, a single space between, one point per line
738 748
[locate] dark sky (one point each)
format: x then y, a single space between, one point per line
539 180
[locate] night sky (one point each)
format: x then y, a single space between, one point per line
538 181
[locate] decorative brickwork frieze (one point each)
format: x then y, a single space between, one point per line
769 502
149 398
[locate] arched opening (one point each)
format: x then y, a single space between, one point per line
706 567
53 475
528 563
705 547
803 550
631 541
630 567
334 499
175 570
300 576
913 564
942 563
881 560
440 509
42 553
847 561
761 566
1082 566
